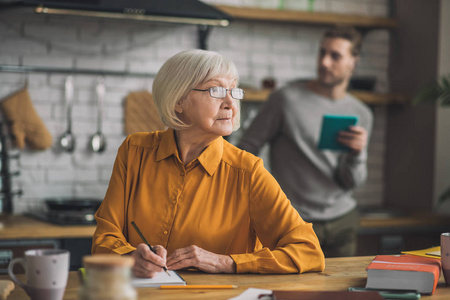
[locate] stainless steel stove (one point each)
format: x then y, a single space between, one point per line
68 211
65 217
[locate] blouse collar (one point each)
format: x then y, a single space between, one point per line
209 158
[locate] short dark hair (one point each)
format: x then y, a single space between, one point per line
347 33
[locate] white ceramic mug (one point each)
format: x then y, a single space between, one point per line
46 270
445 256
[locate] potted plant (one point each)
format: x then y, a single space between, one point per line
437 92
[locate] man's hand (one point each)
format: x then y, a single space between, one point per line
147 263
355 138
196 257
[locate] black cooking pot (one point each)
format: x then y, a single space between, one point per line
65 204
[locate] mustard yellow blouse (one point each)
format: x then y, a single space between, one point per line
224 201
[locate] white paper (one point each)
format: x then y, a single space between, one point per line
435 253
252 294
161 278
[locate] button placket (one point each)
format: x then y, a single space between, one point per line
178 190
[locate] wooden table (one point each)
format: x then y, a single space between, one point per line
339 274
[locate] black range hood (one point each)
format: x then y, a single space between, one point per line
173 11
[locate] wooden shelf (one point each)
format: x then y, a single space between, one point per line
304 17
369 98
380 99
252 95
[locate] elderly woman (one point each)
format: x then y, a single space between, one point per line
202 202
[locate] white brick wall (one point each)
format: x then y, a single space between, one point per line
282 51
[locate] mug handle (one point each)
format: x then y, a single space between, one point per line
21 261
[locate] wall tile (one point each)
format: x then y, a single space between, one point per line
282 51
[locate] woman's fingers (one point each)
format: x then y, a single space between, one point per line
196 257
148 263
161 252
179 255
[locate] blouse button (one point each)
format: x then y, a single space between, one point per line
165 232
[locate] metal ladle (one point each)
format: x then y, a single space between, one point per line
98 140
67 139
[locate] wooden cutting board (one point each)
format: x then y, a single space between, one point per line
141 114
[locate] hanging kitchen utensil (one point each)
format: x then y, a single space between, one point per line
98 140
67 139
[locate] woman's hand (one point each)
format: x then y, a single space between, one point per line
355 138
196 257
147 263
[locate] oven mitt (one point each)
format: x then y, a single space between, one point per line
141 114
25 124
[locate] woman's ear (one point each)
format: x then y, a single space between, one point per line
179 107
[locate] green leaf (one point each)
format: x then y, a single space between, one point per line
444 197
435 92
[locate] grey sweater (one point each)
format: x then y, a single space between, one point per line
319 183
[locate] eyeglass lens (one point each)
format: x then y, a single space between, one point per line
221 92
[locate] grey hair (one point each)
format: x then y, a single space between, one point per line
183 72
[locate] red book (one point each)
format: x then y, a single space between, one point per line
404 272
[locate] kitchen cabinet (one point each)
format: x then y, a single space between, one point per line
20 233
379 233
392 232
14 248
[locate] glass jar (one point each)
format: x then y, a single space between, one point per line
107 277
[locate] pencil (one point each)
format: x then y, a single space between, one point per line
145 241
194 286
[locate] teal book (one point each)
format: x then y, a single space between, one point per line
331 125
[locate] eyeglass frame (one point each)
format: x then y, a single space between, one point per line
226 91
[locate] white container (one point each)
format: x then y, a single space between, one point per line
107 277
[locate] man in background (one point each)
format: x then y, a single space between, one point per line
319 183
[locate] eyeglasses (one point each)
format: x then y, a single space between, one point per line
221 92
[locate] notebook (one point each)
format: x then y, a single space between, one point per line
433 252
161 278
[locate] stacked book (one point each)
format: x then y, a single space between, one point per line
404 272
